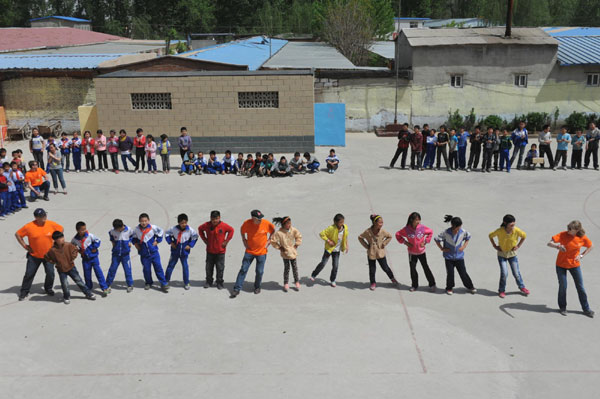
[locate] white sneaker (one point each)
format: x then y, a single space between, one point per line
333 284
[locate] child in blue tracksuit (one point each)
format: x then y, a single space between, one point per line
19 185
463 137
9 196
213 166
430 149
88 245
200 163
65 152
120 237
229 163
182 239
189 164
76 151
146 238
239 164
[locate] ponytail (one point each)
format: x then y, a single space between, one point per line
280 221
374 218
454 221
507 219
412 217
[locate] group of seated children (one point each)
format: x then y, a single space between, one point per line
257 165
12 183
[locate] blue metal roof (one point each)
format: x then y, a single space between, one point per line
577 45
252 52
72 19
559 31
578 50
53 61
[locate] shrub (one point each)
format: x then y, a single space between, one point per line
455 120
577 120
537 120
493 121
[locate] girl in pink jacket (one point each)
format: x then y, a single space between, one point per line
415 236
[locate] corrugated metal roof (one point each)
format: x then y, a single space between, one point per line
45 61
16 39
252 52
308 55
72 19
455 36
578 50
384 49
558 31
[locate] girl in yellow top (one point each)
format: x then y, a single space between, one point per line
287 240
510 239
336 241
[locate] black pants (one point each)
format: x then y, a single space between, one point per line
140 156
414 276
102 160
474 157
576 159
89 162
404 152
38 156
215 261
114 159
592 151
335 259
546 151
453 159
64 283
488 153
287 263
459 265
384 266
561 154
31 269
496 157
441 152
182 152
415 159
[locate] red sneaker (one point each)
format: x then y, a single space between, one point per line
525 291
502 295
372 287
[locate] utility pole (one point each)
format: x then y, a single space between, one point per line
509 13
396 64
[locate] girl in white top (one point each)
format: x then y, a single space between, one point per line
151 153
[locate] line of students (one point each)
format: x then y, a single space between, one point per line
493 147
257 234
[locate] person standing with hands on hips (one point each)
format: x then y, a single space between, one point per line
216 234
256 236
374 240
569 244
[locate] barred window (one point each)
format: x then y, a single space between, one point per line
258 99
151 101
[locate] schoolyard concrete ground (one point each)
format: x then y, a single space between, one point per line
323 342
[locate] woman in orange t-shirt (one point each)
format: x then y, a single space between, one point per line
569 244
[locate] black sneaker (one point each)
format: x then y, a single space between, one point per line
589 313
220 286
563 312
207 285
22 297
234 294
50 292
257 291
91 297
165 288
46 199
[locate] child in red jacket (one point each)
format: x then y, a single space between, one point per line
88 144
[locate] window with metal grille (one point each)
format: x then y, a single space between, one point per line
456 81
151 101
258 99
414 24
521 80
593 79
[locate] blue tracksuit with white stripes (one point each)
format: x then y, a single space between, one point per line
88 245
181 239
120 254
148 240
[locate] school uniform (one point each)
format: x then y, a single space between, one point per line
10 195
505 146
519 138
462 149
213 166
4 205
455 258
182 239
188 165
332 167
120 254
76 153
149 254
430 151
20 186
88 246
200 164
229 165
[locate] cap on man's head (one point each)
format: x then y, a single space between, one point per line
39 213
256 214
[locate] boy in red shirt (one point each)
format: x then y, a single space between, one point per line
216 235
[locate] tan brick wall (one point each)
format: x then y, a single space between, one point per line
208 105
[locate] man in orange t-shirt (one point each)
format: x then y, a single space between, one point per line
256 235
39 241
569 244
36 180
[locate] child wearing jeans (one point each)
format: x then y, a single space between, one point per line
415 236
287 240
452 242
151 153
62 255
336 241
510 239
312 163
164 149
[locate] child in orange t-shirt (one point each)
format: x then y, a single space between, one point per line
37 182
569 244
